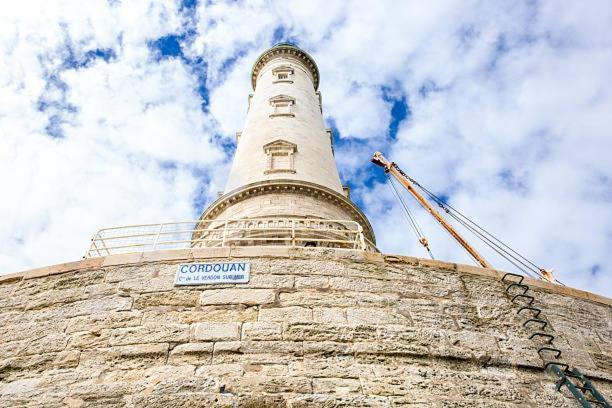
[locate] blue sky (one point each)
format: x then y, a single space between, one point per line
125 112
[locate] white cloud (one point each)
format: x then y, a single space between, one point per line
509 115
134 138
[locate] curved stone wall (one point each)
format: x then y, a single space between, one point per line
312 328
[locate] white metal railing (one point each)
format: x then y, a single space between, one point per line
233 232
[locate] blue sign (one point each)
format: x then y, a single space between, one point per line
211 273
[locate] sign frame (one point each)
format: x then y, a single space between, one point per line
212 273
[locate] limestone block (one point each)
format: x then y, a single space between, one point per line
121 259
426 313
109 320
251 383
256 352
222 313
130 357
362 285
412 337
468 343
261 331
519 351
371 315
289 314
261 400
327 348
26 386
191 353
87 339
192 399
31 330
329 315
46 344
266 369
314 298
139 271
332 332
271 281
220 370
344 401
307 267
216 331
273 347
312 282
335 385
389 348
144 285
186 298
100 289
93 306
12 348
77 279
237 296
30 365
52 297
149 334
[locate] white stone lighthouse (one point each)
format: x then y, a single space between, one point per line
283 187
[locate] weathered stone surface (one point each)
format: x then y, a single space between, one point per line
272 281
220 313
149 334
145 285
336 385
216 331
305 332
109 320
329 315
175 298
261 331
237 296
285 314
125 357
191 353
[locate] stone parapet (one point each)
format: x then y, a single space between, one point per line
228 253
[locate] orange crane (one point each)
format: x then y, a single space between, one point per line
393 169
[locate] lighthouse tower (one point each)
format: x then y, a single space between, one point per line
284 172
317 317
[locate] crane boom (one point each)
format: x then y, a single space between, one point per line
391 168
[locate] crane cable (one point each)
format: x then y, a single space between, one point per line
411 220
504 250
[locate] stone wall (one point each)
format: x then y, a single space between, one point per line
333 328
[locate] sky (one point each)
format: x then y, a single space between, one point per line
124 112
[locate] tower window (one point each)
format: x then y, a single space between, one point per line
282 105
284 73
280 156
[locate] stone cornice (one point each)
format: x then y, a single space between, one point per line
288 50
289 186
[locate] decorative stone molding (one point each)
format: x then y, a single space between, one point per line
283 106
280 155
283 74
290 186
285 49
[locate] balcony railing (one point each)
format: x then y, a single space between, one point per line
226 233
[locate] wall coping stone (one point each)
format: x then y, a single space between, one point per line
284 252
